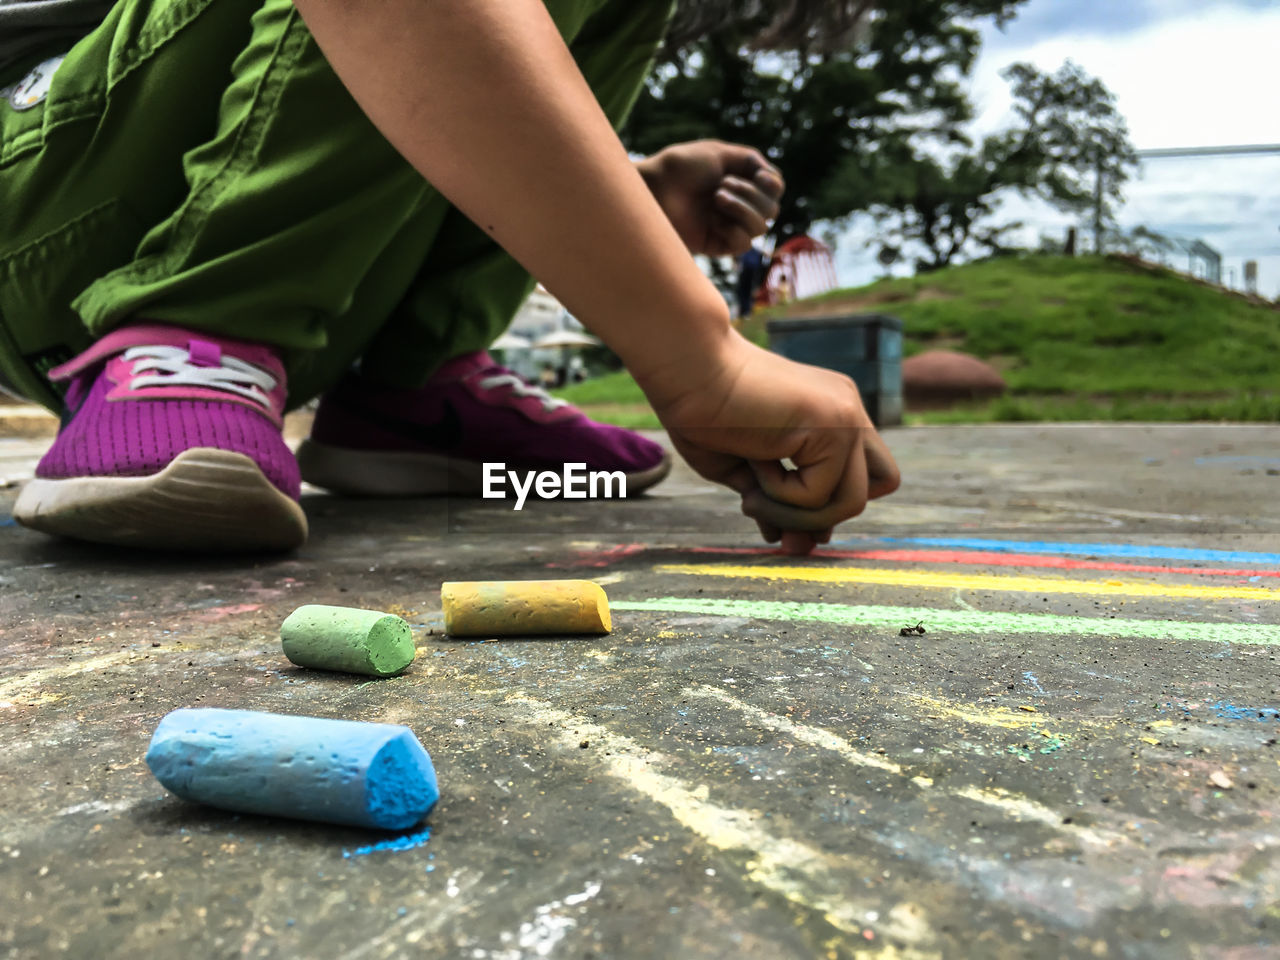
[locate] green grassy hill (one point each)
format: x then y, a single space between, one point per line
1075 338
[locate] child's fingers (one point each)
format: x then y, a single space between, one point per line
748 161
798 544
738 476
763 510
770 533
793 543
820 465
729 237
740 210
807 490
751 193
770 181
848 500
882 470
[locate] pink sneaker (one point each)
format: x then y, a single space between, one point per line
173 442
376 441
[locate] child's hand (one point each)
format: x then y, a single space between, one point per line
750 410
717 195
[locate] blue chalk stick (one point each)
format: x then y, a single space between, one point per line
334 771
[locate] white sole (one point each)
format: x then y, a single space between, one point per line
206 499
378 473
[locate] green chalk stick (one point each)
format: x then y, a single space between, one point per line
352 641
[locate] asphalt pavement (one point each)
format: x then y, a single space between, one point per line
1027 707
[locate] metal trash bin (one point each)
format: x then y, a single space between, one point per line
866 347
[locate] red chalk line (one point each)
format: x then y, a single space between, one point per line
607 557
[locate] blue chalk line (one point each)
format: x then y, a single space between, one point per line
410 841
1081 549
1231 711
1262 461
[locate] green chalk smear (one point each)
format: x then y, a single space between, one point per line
1049 743
964 621
1028 751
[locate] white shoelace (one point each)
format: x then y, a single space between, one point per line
522 388
174 368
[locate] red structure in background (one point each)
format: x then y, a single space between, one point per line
799 268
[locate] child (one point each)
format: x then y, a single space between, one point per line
215 207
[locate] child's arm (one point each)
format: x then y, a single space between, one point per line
485 100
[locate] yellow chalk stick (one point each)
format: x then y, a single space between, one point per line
504 608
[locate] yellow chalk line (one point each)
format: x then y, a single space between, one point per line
970 581
1015 805
793 869
33 679
814 736
25 687
1001 717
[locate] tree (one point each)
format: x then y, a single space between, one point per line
1074 139
1070 148
942 206
830 120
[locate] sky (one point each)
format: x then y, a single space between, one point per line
1185 73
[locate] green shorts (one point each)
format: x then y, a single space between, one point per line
197 162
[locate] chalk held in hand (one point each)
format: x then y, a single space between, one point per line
498 608
333 771
349 640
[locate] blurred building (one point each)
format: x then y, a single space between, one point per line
1203 261
801 267
538 316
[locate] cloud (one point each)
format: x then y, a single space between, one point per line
1044 19
1202 79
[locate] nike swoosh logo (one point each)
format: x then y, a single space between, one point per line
445 433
